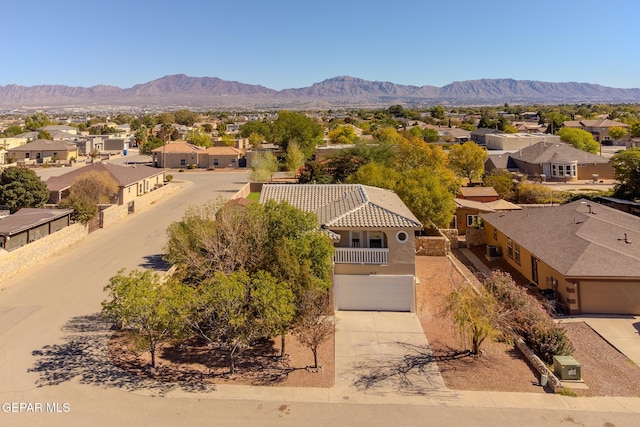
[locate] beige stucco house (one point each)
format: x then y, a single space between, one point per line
43 151
598 128
133 181
588 253
374 237
183 155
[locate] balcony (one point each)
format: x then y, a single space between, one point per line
361 256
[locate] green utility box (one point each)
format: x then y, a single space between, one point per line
566 368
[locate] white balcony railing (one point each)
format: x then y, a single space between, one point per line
361 256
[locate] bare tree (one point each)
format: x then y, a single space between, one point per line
314 324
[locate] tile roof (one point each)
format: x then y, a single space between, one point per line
178 147
224 151
575 242
472 204
478 192
45 144
345 205
124 175
27 218
545 152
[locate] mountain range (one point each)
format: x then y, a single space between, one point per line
211 92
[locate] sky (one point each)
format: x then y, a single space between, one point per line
292 44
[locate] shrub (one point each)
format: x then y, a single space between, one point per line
180 170
191 166
547 339
168 178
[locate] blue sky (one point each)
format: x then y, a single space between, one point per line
291 44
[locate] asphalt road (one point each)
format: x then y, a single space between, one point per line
53 368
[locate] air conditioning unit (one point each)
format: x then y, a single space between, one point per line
493 252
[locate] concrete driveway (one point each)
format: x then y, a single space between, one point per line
383 353
622 332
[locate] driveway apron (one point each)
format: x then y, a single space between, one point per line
384 353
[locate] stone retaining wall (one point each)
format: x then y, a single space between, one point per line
552 381
432 246
36 252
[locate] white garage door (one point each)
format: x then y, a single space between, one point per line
374 293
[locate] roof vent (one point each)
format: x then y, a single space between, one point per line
626 239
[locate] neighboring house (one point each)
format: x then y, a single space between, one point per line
30 224
468 212
60 128
133 181
478 194
598 128
12 142
627 206
517 141
374 237
553 162
479 136
44 150
588 253
183 154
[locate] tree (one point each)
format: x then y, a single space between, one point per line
430 135
185 117
467 160
437 112
313 325
255 140
294 158
43 134
626 168
290 126
145 305
375 175
263 166
260 128
502 181
199 137
617 132
473 311
580 139
635 129
22 188
141 135
87 191
36 121
427 193
228 140
314 173
343 135
151 144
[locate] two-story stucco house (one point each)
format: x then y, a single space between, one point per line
374 237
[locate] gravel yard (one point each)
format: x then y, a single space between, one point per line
605 371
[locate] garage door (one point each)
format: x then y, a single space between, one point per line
610 297
374 293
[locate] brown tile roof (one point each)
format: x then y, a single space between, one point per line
472 204
27 218
478 192
123 175
575 242
224 151
178 147
345 205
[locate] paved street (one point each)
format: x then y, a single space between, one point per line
52 354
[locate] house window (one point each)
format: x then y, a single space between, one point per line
356 239
375 239
183 162
215 162
517 253
560 170
402 236
26 155
472 220
510 247
454 223
495 234
554 170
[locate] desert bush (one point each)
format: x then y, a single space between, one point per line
546 339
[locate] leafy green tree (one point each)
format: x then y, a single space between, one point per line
473 311
437 112
260 128
199 137
151 144
228 140
142 303
263 166
467 160
165 118
626 167
635 129
87 191
314 173
580 139
430 135
43 134
290 126
185 117
22 188
554 121
375 175
427 195
36 121
84 210
294 158
11 131
617 132
343 135
501 181
141 135
255 140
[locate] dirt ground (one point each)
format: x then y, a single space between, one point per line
605 371
257 366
